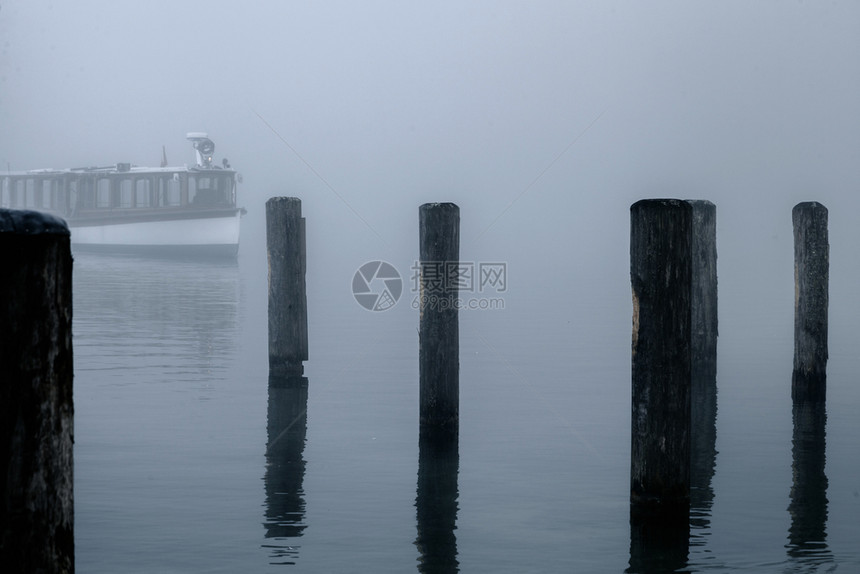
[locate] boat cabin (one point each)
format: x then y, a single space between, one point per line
84 193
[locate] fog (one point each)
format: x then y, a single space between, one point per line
544 121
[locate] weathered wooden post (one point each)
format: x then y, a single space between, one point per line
704 323
439 373
811 273
36 408
288 315
661 276
438 333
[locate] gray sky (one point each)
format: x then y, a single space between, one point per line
543 120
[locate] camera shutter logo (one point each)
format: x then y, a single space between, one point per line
377 286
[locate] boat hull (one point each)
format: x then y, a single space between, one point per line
215 235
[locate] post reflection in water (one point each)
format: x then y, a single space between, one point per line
662 542
285 467
703 448
807 535
436 502
659 542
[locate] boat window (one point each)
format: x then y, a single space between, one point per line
192 188
18 193
161 191
6 193
47 186
125 193
30 193
207 191
103 192
86 194
225 189
210 190
174 190
72 195
141 192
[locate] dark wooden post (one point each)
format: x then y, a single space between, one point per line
704 302
288 314
439 336
811 272
661 276
36 409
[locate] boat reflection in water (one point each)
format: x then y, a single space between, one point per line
133 309
285 467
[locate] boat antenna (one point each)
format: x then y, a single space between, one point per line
163 156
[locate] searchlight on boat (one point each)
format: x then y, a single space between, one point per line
203 146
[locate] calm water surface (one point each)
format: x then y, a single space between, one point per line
187 461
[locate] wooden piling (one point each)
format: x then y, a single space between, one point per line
439 344
288 315
704 324
661 276
811 276
36 408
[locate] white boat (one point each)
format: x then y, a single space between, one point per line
159 210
